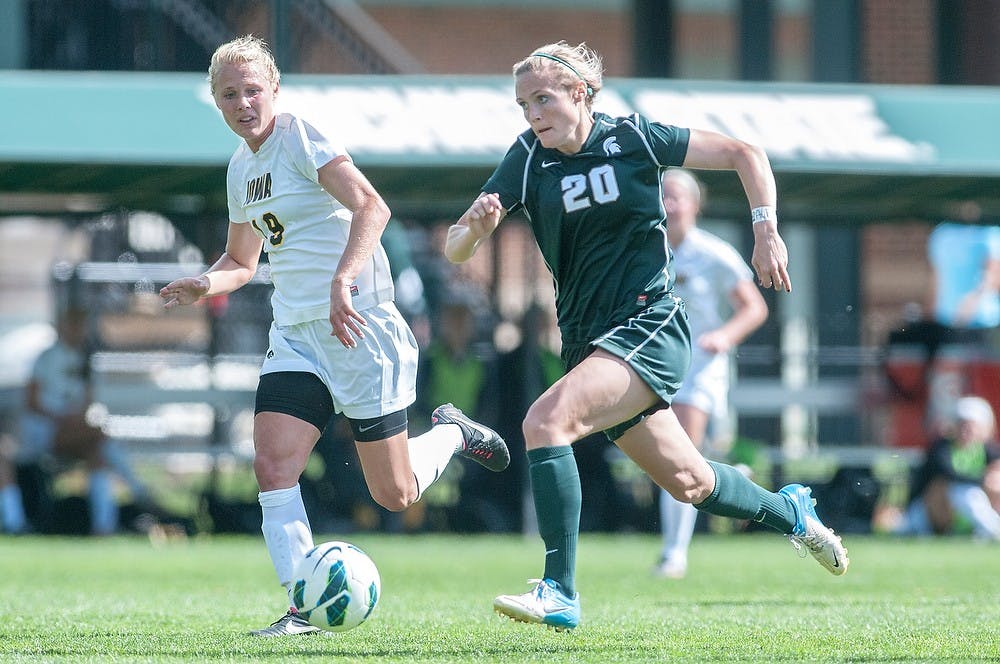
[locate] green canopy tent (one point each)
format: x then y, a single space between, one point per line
86 142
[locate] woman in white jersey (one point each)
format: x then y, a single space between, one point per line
337 342
724 306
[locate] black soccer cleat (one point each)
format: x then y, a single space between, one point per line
480 443
290 624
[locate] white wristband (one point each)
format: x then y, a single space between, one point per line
763 213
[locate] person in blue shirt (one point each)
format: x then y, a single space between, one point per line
965 262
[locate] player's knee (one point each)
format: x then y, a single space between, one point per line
541 429
535 430
395 498
687 486
272 472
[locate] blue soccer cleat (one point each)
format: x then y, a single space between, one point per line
545 605
809 531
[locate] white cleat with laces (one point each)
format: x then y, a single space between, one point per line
810 533
545 604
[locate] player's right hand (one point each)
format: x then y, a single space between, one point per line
186 290
484 215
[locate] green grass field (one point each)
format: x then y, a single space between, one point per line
746 598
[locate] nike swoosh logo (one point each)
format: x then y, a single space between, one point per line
551 551
362 429
546 164
836 562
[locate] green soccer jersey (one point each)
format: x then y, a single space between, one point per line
597 216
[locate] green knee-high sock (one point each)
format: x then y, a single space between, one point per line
555 485
737 497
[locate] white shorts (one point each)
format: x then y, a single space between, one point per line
376 378
706 386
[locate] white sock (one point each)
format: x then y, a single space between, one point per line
12 515
677 521
286 531
103 505
430 453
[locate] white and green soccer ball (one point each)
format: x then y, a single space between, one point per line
336 586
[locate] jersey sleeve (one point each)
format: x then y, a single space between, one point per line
313 150
237 214
668 143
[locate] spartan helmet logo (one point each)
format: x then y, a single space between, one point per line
611 146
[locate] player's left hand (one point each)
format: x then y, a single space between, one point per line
770 257
345 322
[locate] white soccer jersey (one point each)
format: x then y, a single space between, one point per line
707 269
305 230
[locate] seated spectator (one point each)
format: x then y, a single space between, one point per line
54 424
951 489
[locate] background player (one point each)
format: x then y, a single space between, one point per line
723 307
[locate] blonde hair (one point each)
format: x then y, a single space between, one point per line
570 65
249 50
687 180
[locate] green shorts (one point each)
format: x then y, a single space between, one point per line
656 344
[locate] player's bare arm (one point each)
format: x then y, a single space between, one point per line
342 180
477 224
749 313
234 268
711 150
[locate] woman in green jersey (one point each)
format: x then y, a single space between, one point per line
589 185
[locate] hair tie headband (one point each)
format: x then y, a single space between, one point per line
553 58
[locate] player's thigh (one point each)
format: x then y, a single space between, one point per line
599 392
282 445
383 448
694 420
387 470
661 447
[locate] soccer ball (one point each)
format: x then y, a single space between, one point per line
336 586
